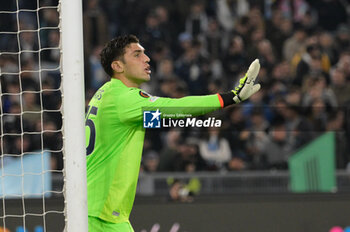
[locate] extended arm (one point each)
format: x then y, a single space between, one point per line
135 101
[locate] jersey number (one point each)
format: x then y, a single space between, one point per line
91 125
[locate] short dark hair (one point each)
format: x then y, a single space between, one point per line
115 50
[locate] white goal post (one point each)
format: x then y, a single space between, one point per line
73 114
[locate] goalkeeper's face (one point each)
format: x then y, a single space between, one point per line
135 64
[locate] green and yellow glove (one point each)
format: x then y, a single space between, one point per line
246 87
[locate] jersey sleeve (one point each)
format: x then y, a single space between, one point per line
135 101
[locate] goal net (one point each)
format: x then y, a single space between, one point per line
35 141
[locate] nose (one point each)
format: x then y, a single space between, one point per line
147 59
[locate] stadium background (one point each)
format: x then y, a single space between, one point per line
203 47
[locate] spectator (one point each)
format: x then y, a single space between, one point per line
340 87
318 115
150 161
256 36
336 124
298 127
281 73
344 64
51 140
313 62
254 103
243 27
309 20
256 135
29 79
213 40
278 30
167 26
215 149
294 44
317 89
28 41
237 134
97 73
166 70
256 21
228 12
193 68
235 58
266 54
294 97
49 18
53 54
179 192
13 91
342 38
189 157
184 43
197 20
95 26
328 47
152 33
277 147
170 150
236 164
31 110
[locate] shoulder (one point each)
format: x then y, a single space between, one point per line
135 94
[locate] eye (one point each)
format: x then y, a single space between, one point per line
137 54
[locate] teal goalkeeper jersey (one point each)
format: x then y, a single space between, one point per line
114 142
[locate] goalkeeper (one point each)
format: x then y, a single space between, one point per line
115 133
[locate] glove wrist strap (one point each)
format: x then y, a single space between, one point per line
228 98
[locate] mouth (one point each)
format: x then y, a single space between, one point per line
148 70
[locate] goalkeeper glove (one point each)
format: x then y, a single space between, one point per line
246 87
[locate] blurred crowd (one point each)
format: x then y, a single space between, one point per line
30 80
196 48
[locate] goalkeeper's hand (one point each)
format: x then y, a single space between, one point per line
246 87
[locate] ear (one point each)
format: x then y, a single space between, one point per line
117 66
